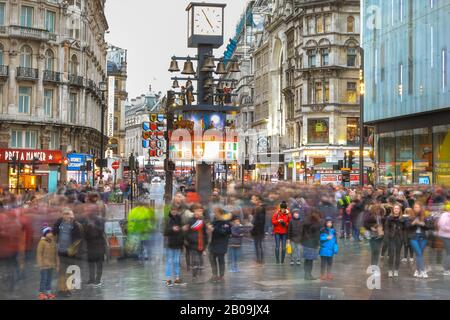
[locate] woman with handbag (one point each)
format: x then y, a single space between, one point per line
280 221
328 249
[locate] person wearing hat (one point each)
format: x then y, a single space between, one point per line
47 261
280 221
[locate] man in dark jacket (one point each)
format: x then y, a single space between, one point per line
220 235
174 245
259 222
69 235
295 236
94 234
356 217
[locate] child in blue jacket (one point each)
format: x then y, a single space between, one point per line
328 248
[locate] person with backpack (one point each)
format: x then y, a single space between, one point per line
295 237
280 221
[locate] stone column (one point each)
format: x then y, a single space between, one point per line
4 143
65 141
12 89
40 84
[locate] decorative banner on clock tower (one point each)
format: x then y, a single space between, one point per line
111 98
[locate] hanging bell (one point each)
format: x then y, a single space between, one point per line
208 65
233 85
174 66
208 83
175 84
221 68
188 68
235 67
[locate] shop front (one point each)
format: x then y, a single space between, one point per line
415 156
31 169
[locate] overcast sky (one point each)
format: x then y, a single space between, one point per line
153 31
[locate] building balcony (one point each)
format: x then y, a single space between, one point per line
51 76
31 33
91 86
76 81
4 71
27 74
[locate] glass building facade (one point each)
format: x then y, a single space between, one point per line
407 80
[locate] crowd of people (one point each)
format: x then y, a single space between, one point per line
307 224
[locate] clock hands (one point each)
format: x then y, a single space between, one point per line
207 19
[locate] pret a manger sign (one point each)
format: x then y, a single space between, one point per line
27 156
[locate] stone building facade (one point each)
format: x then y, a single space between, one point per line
52 57
307 84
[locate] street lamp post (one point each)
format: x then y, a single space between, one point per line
103 88
361 120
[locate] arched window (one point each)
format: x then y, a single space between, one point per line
350 24
73 65
26 57
49 60
1 55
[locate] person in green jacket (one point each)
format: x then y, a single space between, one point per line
141 224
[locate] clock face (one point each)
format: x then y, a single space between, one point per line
208 21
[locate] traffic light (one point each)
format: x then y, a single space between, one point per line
66 162
169 166
346 176
14 164
351 160
231 47
34 164
303 165
89 165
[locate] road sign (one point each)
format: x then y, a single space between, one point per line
116 165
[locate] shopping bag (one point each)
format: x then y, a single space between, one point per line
289 248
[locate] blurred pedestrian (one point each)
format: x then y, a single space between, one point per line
311 242
258 230
444 233
174 244
220 233
294 237
237 234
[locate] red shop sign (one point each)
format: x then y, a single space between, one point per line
27 156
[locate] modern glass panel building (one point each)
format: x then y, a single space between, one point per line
407 79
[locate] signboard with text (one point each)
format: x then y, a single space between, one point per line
27 156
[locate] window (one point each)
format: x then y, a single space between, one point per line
26 57
319 24
23 139
73 65
350 24
50 18
311 58
318 92
352 131
351 57
325 57
318 131
54 141
310 25
26 16
72 108
351 92
49 60
24 99
2 14
48 102
327 92
328 23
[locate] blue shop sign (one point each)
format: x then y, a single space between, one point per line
76 161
